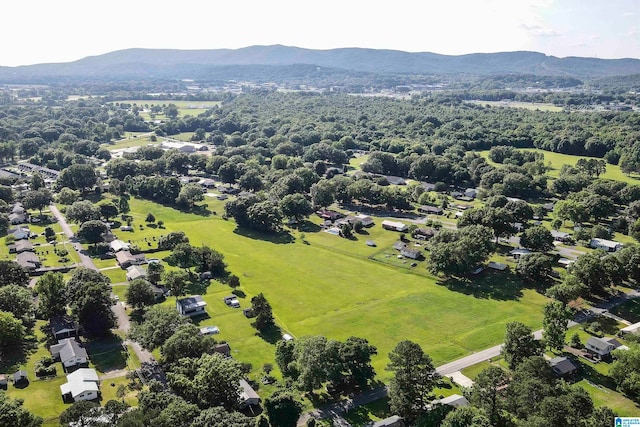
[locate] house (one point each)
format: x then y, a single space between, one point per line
455 400
548 206
82 384
159 292
126 259
20 233
434 210
20 377
191 306
497 266
119 245
518 252
428 186
223 349
248 396
69 352
607 245
187 148
394 226
599 346
207 183
518 226
631 329
395 180
17 218
287 337
565 262
560 236
28 260
563 367
329 215
4 381
410 253
135 272
617 345
366 221
399 245
393 421
21 246
126 228
424 233
471 193
63 328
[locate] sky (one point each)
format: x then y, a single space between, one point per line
40 31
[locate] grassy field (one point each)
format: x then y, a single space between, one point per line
516 104
556 160
329 286
185 108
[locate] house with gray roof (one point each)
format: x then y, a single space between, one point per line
70 353
599 346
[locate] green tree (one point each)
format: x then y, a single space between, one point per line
414 378
78 176
67 196
534 268
50 289
519 344
282 408
187 341
18 301
211 380
485 392
591 270
532 381
466 416
170 240
537 238
140 294
90 306
36 182
150 218
158 325
80 412
13 414
154 272
625 371
295 206
568 290
123 204
456 252
218 416
262 310
82 211
177 282
189 195
108 209
11 273
207 259
184 256
11 331
37 199
555 324
355 355
92 231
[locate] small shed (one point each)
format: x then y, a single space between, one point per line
563 367
248 396
497 266
20 377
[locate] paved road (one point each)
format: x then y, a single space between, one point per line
87 262
336 410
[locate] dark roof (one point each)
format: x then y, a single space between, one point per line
562 365
61 324
223 348
19 376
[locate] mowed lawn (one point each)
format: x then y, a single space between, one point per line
315 289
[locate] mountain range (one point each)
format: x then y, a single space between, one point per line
172 63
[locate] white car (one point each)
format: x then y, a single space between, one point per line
210 330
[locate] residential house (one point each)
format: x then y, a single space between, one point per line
471 193
4 381
69 352
119 245
135 272
20 377
207 183
428 186
191 306
631 329
126 259
82 384
20 232
433 210
17 218
366 221
607 245
563 367
329 215
28 260
455 400
223 348
560 236
393 421
565 262
394 226
395 180
599 346
20 246
248 396
63 328
410 253
424 233
518 252
497 266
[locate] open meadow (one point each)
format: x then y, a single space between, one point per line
321 284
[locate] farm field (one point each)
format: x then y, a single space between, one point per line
330 287
185 108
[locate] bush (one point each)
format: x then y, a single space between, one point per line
575 341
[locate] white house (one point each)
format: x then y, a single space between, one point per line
82 384
69 352
394 225
560 236
248 396
119 245
631 329
607 245
599 346
191 306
